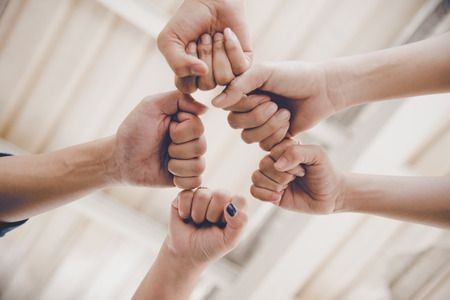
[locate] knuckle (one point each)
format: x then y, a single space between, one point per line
206 85
199 166
172 150
233 120
265 163
172 166
265 145
200 147
246 136
204 49
255 177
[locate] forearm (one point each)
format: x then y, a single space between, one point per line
418 199
168 278
31 184
413 69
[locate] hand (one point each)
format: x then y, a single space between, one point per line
315 187
142 141
297 86
204 239
194 18
186 149
223 55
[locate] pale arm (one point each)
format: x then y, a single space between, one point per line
414 69
31 184
418 199
169 278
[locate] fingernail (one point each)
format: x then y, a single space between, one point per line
281 163
230 35
270 109
219 99
197 70
218 37
206 39
231 210
191 48
284 115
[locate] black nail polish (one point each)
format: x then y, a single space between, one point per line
231 209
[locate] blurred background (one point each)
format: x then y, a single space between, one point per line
71 70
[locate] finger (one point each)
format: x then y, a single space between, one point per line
204 50
188 104
181 63
185 204
187 168
188 84
266 167
236 220
223 74
249 81
254 118
219 200
279 120
248 103
264 194
276 151
187 183
189 127
262 181
239 62
274 139
172 102
188 150
200 203
300 154
298 171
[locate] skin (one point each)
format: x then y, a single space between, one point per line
224 56
141 153
322 190
192 19
315 91
189 248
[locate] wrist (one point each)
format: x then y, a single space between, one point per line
180 267
101 162
334 74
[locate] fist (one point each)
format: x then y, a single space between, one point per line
205 225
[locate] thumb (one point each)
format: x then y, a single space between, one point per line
172 102
299 154
236 219
175 220
182 63
249 81
188 104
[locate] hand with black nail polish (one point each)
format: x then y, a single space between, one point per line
216 220
204 226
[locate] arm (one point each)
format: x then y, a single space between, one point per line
30 184
141 153
314 91
418 199
322 190
169 278
192 243
414 69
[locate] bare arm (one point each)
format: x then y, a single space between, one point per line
31 184
138 154
418 199
322 190
414 69
168 278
